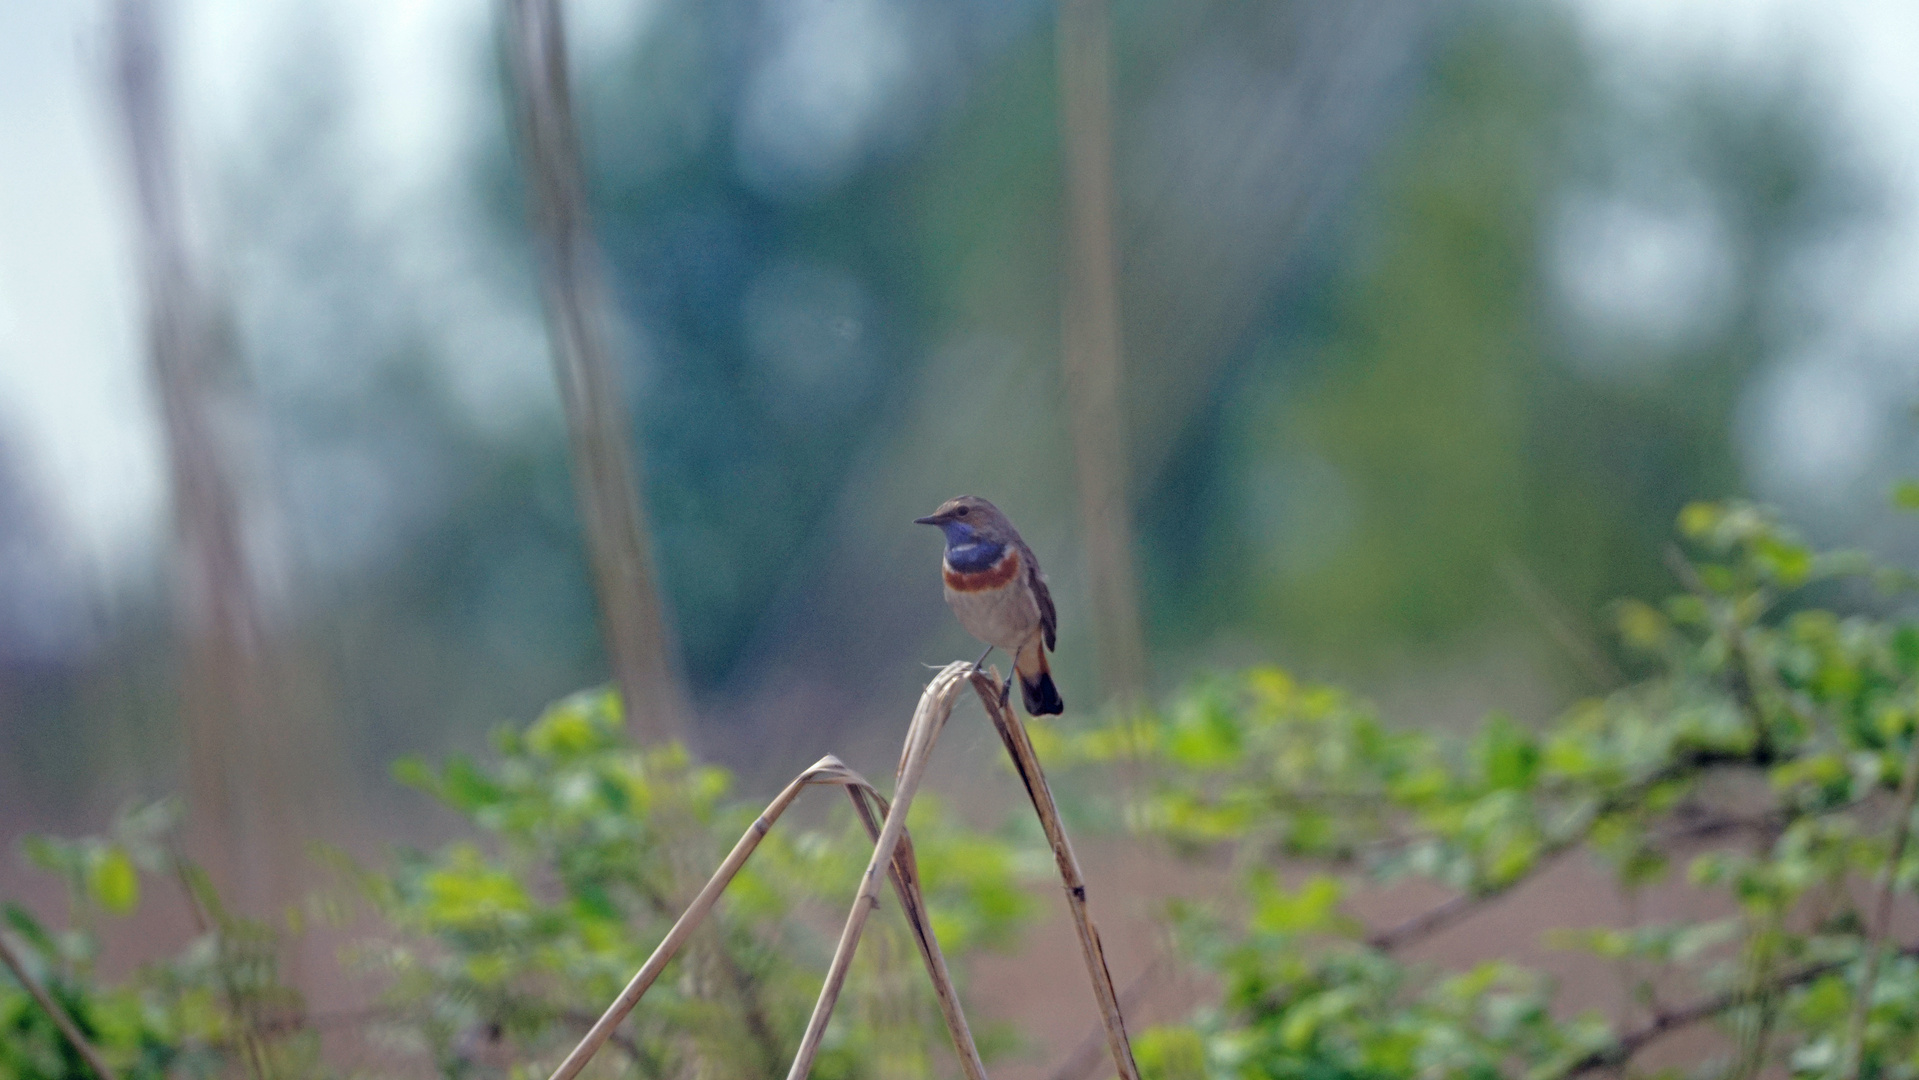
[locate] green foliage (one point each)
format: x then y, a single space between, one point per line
596 849
1763 753
215 1005
499 949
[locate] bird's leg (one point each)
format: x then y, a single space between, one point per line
1006 692
977 664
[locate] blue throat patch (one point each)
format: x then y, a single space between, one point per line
974 555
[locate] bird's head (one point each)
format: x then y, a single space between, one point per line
969 519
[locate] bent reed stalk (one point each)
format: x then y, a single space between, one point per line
892 850
902 869
1026 762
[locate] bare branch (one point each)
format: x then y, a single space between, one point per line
1666 1023
58 1015
906 885
892 850
827 770
1459 908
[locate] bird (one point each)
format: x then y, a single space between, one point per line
994 586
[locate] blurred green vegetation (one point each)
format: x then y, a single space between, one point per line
1767 761
496 951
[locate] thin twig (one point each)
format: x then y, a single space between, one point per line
1450 912
1666 1023
1584 652
1882 917
1026 762
936 704
1090 351
1079 1064
53 1010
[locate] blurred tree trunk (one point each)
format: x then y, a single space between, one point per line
237 759
578 319
1090 343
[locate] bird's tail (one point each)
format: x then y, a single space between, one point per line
1036 682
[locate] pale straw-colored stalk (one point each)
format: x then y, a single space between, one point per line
902 869
1026 762
906 885
893 857
936 704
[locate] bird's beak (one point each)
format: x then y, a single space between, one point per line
933 520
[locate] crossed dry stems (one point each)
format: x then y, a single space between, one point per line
893 851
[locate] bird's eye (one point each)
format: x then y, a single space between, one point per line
961 512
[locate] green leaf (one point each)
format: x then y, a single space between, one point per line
28 927
1311 908
1171 1053
416 774
465 788
112 881
1905 649
1788 564
1508 754
1700 518
1905 495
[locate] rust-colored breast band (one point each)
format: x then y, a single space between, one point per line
993 577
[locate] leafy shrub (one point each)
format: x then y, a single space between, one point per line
217 1002
499 951
1770 750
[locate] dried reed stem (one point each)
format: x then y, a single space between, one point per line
828 770
1026 761
1081 1063
906 885
902 868
936 704
53 1010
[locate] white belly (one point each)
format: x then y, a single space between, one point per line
1006 617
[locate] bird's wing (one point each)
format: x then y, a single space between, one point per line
1048 618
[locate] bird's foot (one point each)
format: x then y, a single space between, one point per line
979 665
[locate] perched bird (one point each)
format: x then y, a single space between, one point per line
994 585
